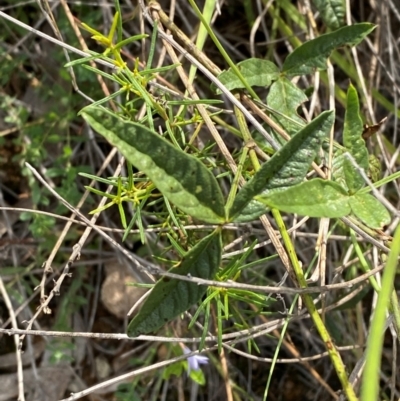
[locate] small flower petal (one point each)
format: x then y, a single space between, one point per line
194 361
193 364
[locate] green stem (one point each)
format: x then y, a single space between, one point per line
235 183
394 308
308 301
363 262
209 7
244 129
222 50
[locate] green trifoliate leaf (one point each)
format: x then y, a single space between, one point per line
256 72
287 167
353 142
169 297
285 97
183 179
369 210
313 54
315 198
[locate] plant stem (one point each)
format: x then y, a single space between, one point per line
308 301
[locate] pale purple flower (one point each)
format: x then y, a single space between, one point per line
194 361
